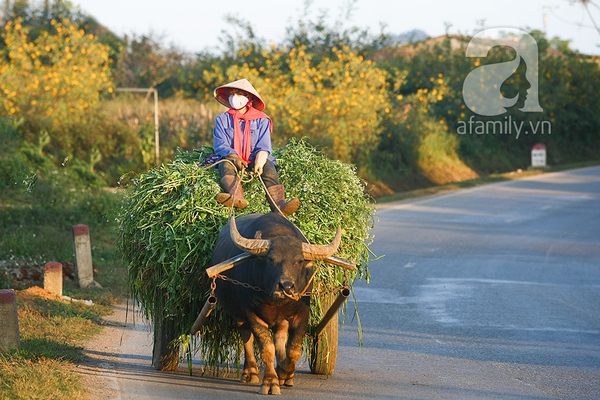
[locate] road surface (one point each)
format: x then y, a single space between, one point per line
485 293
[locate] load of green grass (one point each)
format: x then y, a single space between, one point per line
170 220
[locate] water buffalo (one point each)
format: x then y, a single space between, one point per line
279 272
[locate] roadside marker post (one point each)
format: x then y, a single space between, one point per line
10 338
83 255
538 156
53 279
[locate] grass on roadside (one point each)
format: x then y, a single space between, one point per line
35 228
52 333
492 178
44 378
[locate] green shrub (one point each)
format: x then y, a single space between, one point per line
40 201
13 165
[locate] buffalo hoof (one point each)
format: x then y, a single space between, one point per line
285 378
250 378
286 382
272 388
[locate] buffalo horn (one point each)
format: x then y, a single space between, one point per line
319 252
256 247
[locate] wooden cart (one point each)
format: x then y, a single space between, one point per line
323 352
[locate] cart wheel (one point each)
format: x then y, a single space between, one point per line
164 356
325 346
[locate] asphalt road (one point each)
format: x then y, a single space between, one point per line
486 293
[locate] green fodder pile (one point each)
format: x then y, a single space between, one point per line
170 220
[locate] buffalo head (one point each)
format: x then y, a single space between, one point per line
288 260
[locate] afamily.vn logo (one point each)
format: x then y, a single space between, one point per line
482 87
507 126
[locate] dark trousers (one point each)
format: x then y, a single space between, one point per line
269 175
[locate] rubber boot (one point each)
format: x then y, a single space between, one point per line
277 193
235 192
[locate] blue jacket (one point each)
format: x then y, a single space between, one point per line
223 136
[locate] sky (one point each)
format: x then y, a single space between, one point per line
194 25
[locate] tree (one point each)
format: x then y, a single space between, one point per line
318 84
337 102
145 63
52 81
586 6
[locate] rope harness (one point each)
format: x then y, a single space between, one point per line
251 176
295 296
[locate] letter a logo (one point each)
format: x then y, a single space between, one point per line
481 88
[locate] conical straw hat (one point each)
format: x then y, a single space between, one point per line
222 93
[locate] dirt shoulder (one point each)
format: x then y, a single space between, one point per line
106 351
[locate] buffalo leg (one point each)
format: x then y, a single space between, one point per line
250 373
270 383
286 369
281 338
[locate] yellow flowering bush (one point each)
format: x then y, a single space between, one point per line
52 80
336 100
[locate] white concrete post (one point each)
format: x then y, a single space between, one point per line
9 327
538 156
83 255
53 279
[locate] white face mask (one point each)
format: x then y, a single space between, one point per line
238 101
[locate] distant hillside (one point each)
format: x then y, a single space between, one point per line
412 36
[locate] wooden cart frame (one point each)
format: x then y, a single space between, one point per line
323 352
